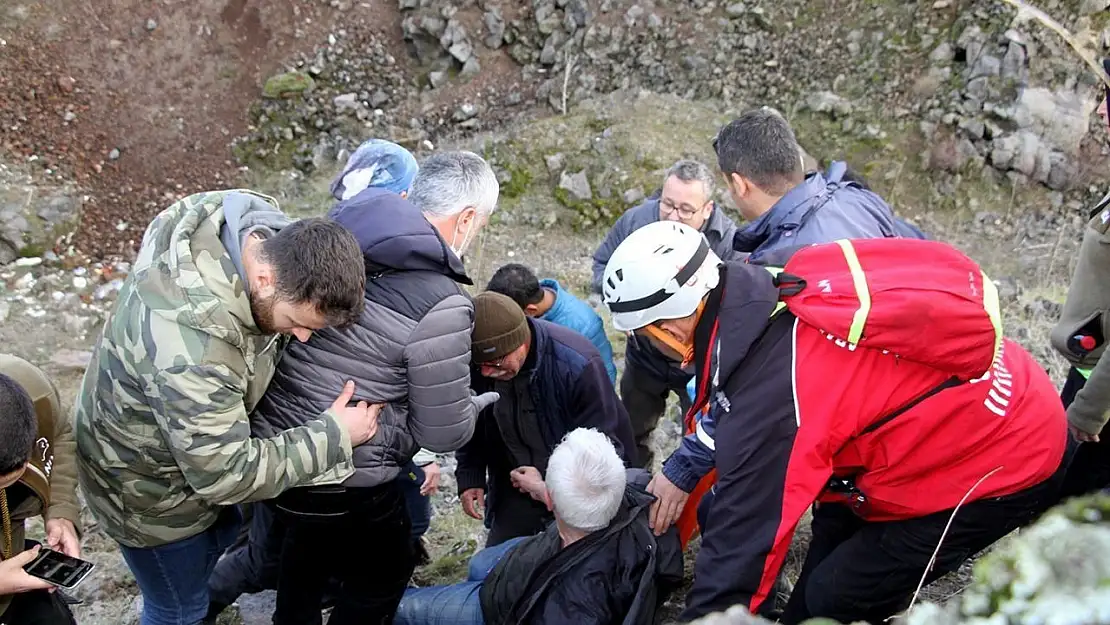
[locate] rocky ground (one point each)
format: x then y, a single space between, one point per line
973 124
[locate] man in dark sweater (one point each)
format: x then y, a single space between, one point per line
551 380
598 563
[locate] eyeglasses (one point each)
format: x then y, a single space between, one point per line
683 212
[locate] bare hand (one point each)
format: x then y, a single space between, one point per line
62 536
529 481
473 501
668 505
431 479
14 580
361 420
1081 436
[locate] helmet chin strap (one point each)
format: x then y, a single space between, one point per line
685 351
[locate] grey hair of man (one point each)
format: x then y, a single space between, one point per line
761 147
450 182
585 480
688 170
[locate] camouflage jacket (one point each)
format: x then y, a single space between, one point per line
161 419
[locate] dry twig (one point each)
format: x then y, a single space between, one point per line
1026 10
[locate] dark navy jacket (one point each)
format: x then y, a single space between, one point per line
569 389
573 313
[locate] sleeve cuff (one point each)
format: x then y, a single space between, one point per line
680 473
66 511
470 478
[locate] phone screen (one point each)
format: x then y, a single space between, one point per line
58 568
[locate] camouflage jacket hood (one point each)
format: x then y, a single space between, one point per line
161 422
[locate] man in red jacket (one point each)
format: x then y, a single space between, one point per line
883 448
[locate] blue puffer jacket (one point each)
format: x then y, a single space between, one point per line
571 312
821 209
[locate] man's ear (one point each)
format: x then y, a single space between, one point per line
265 279
404 195
547 500
467 215
532 310
740 185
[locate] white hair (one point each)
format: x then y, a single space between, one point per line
586 480
449 182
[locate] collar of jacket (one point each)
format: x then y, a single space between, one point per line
41 464
634 504
787 213
560 301
747 299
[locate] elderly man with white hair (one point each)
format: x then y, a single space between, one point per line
410 350
597 563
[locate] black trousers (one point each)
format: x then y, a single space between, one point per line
37 608
1090 468
361 536
645 399
860 571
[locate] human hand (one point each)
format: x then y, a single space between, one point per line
14 580
361 420
1082 436
528 481
473 500
62 536
485 400
431 479
668 505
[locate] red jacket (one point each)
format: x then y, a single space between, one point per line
794 408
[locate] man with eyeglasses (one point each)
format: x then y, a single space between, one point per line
551 380
649 378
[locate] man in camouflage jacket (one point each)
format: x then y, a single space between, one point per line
163 441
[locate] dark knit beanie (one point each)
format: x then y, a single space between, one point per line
499 327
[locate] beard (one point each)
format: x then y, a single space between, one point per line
262 309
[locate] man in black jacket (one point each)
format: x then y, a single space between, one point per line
598 563
649 377
551 380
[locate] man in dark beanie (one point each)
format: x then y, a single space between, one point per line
552 380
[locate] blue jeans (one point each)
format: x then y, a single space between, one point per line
174 578
419 506
457 604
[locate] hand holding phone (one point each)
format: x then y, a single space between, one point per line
14 580
58 568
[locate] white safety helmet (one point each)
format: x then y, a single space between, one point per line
661 271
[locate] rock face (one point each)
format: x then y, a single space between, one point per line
33 218
1007 107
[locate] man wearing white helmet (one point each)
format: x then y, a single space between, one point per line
801 418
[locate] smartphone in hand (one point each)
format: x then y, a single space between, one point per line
59 569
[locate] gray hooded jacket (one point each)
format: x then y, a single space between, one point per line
410 348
